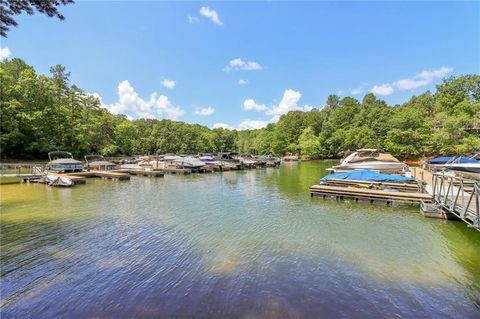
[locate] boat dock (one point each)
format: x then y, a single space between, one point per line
76 179
369 195
439 195
139 172
181 171
116 176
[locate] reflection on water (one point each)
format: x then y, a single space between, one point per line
249 244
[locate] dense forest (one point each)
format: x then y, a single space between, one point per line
41 113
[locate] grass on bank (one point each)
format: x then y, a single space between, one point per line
9 180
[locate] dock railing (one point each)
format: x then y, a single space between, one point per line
21 169
459 196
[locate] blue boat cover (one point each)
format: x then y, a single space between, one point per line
368 176
440 160
444 160
464 159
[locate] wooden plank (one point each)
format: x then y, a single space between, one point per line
140 172
363 191
111 175
176 170
405 187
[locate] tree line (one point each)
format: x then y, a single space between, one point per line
41 113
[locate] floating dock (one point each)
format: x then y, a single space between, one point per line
140 172
402 187
102 174
181 171
369 195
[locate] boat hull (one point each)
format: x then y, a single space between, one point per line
467 168
378 166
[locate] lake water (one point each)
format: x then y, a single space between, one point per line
248 244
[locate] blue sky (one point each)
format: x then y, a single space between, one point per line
245 64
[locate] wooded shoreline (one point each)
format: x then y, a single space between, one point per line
42 113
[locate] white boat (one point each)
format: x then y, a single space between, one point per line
371 159
188 162
55 180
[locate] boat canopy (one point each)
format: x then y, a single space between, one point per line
365 155
465 160
452 159
368 176
440 160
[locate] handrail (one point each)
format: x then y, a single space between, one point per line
452 194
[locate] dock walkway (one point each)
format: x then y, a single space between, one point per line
365 194
457 196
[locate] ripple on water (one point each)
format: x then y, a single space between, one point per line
246 244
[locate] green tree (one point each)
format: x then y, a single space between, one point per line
11 8
309 144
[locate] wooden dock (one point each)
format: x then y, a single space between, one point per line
116 176
140 172
181 171
371 195
111 175
402 187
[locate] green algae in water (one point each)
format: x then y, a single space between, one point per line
236 244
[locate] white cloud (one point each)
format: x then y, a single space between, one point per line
131 104
204 111
250 104
211 14
358 90
238 64
5 53
169 84
222 125
384 89
421 79
192 20
243 82
288 103
252 124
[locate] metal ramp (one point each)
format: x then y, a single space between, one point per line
459 196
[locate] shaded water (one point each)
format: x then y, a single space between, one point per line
248 244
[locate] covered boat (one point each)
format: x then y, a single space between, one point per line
366 175
188 162
98 163
55 180
229 160
465 164
61 161
371 159
440 160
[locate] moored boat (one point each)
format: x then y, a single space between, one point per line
98 163
464 164
289 157
63 162
188 162
371 159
